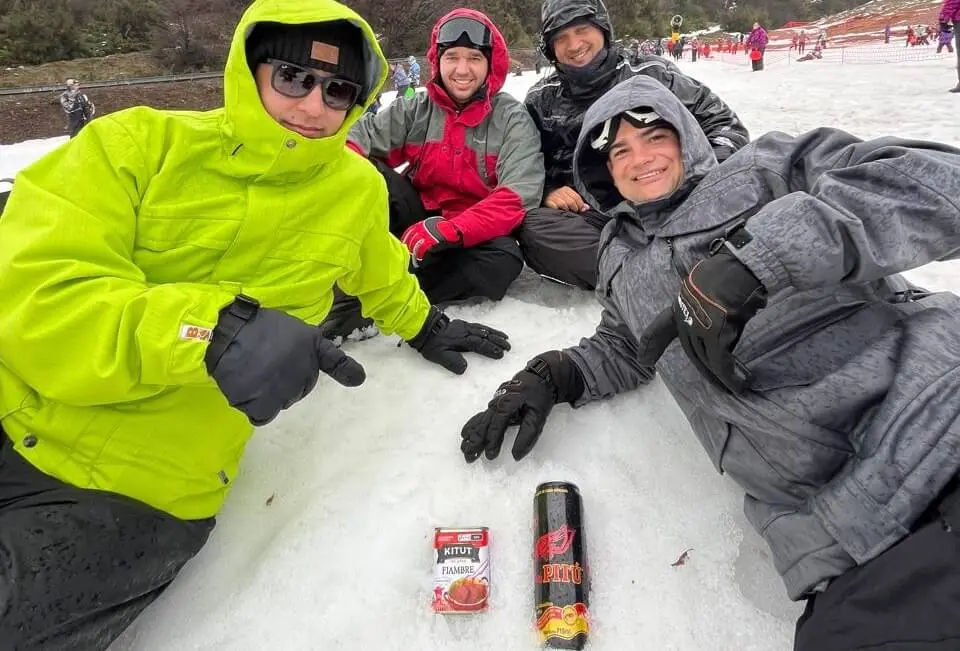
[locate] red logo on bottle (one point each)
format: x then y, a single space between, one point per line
554 543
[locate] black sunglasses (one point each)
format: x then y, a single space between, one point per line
295 81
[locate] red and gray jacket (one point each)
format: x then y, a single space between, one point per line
479 166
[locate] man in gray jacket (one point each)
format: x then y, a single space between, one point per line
813 374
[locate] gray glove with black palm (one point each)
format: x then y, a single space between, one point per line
265 360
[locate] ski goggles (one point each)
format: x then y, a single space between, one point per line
640 118
466 31
295 81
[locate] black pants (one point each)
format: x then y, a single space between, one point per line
956 39
562 245
485 270
78 566
75 122
906 599
757 63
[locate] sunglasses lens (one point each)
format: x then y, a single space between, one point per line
292 81
339 94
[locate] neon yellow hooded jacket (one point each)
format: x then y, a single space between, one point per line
118 249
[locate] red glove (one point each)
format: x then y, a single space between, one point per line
432 234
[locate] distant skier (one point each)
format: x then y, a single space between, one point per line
77 106
950 15
401 79
414 70
757 44
945 39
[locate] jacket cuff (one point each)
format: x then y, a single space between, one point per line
760 260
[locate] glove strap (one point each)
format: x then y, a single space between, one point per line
436 321
559 373
737 236
541 369
231 321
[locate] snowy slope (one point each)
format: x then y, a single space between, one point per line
340 557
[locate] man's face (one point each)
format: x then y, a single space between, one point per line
577 45
309 115
462 71
646 163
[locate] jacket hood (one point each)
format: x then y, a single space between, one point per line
557 14
259 144
496 75
642 91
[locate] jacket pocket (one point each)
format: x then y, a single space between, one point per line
165 234
328 249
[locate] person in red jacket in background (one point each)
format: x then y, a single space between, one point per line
473 169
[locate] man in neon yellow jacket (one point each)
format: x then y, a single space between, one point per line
161 277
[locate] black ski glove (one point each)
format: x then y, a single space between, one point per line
715 302
441 341
265 360
525 400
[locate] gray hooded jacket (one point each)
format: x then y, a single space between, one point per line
852 424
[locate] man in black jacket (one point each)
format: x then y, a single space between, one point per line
560 239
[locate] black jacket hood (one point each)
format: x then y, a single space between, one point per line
557 14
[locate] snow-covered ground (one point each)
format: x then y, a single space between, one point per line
325 542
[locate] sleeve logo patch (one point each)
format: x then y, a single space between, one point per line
195 333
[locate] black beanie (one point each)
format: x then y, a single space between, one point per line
336 47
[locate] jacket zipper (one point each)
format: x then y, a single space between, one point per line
673 259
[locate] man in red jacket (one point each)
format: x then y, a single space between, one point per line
950 15
473 169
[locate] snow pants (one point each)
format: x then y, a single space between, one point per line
562 245
905 599
485 270
75 122
77 566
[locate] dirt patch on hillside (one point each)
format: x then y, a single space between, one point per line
38 115
115 66
864 25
